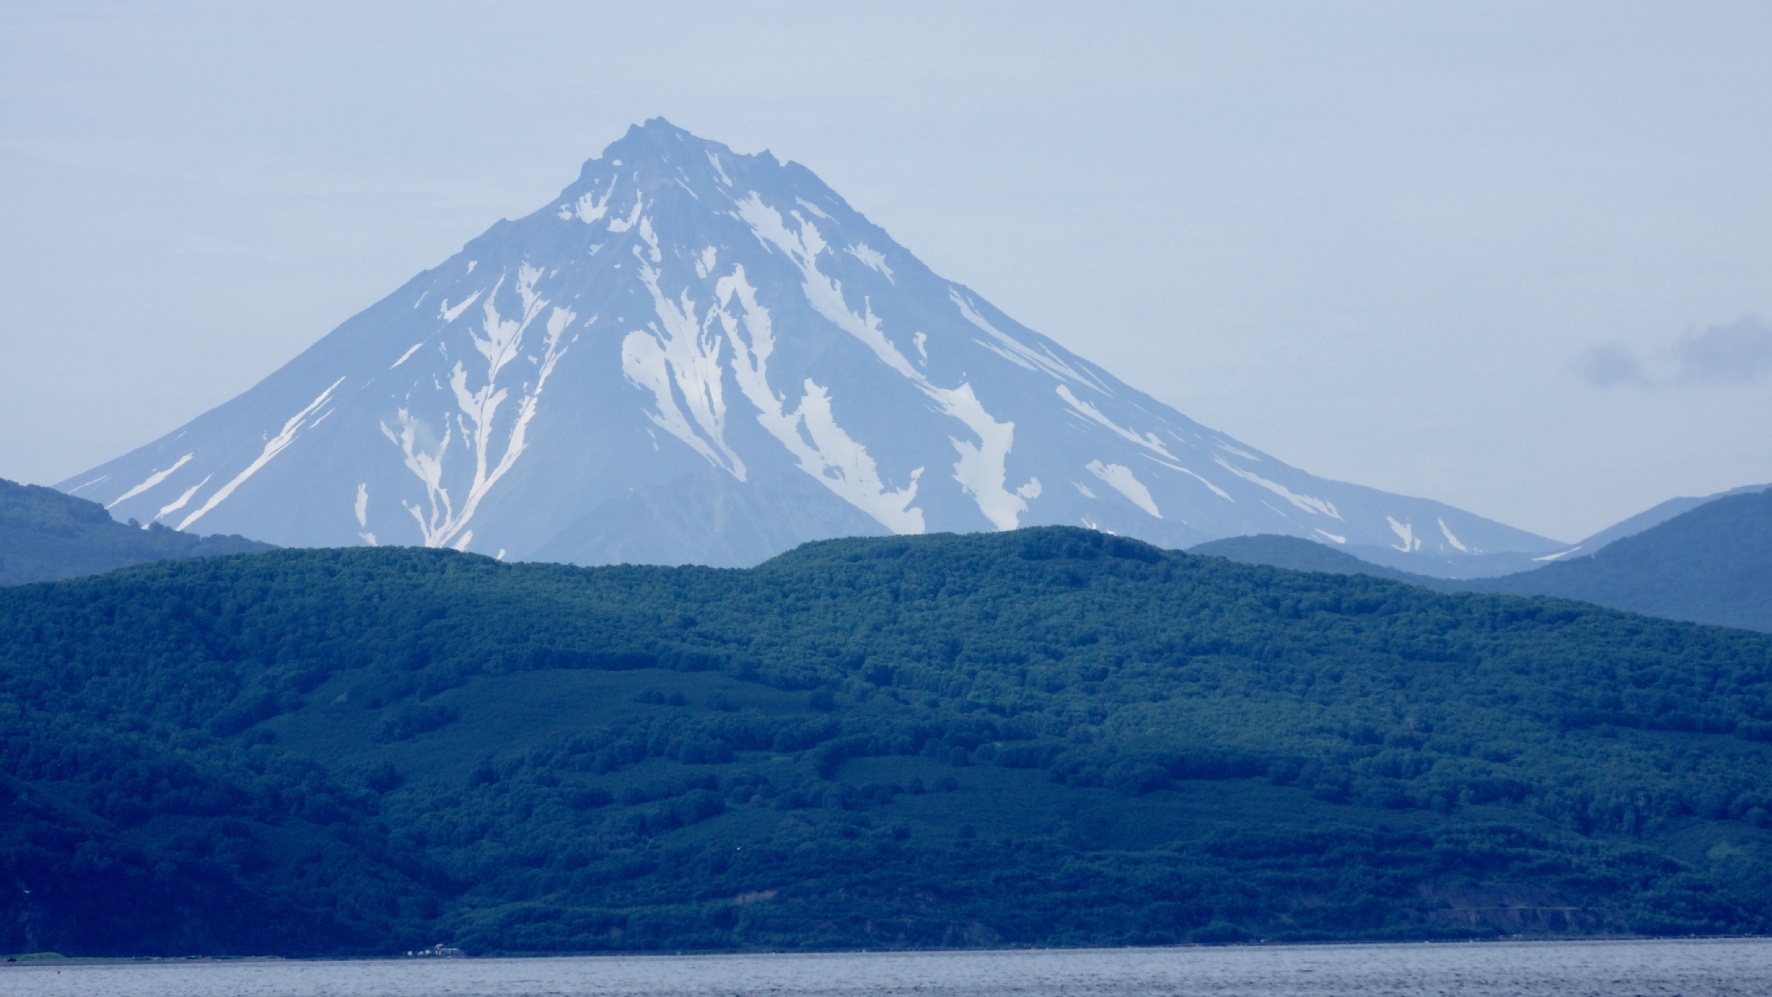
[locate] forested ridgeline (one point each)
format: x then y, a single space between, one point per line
1049 736
46 535
1712 564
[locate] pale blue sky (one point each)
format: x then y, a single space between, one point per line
1474 252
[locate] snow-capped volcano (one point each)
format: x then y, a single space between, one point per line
697 356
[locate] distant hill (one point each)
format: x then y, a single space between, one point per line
1469 565
1461 566
1656 515
1044 737
46 535
1299 554
1712 564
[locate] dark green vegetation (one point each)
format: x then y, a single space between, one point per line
46 535
1049 736
1711 565
1299 554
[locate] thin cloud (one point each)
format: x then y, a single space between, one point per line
1726 353
1737 353
1609 366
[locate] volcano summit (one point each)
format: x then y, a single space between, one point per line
697 356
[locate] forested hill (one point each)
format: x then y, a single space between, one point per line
1712 564
1049 736
46 535
1299 554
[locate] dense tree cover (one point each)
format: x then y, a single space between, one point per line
46 535
1299 554
1049 736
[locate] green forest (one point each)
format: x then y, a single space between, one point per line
46 536
1042 737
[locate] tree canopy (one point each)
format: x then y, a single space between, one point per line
1047 736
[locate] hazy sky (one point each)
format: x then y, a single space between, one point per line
1517 257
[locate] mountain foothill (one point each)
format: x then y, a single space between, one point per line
46 535
1050 736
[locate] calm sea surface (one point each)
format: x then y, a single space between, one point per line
1566 969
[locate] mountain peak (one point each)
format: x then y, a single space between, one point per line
655 163
693 355
657 138
656 143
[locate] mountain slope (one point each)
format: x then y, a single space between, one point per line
1712 564
1051 736
697 356
1709 564
46 535
1655 515
1492 565
1299 554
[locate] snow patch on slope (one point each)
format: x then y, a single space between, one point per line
361 508
1315 506
407 355
633 218
809 432
1149 440
673 355
1122 480
651 239
1246 455
872 258
449 314
1406 533
180 502
274 446
982 468
151 481
499 341
1017 352
590 208
714 160
1558 555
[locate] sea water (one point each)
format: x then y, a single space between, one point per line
1698 968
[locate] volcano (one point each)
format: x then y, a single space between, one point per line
696 356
